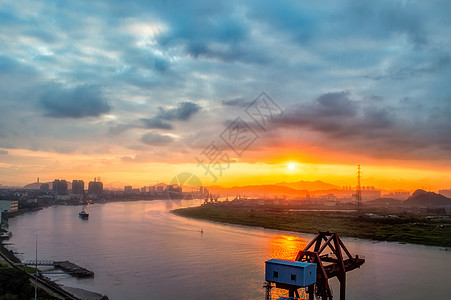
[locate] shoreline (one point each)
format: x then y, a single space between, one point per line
75 293
420 231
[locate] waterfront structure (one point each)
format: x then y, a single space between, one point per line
290 275
78 187
288 272
128 189
9 205
59 187
95 188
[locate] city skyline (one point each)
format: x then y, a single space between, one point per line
139 93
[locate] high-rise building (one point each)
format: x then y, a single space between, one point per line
59 187
78 187
44 187
95 188
128 188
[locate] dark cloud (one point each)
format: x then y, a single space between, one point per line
156 139
378 130
81 101
3 152
216 32
182 112
156 123
331 113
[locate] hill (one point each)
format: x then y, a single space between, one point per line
422 198
258 191
309 185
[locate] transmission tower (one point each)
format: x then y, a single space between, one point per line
358 192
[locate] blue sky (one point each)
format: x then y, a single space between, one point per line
156 81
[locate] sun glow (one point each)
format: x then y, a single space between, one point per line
291 166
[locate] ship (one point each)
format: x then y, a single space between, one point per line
83 215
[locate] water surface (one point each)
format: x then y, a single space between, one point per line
139 250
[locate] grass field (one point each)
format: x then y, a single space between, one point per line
405 228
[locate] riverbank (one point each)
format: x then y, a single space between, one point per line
10 266
400 228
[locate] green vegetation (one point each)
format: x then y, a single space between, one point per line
405 228
29 270
15 285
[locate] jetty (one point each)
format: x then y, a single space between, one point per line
73 269
65 266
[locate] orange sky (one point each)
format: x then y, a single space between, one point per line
49 166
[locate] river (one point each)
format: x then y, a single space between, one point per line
139 250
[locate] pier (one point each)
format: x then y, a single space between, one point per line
66 266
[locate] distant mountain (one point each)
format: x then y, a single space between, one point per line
309 185
257 191
426 199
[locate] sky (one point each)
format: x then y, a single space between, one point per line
137 92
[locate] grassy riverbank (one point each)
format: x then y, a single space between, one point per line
405 228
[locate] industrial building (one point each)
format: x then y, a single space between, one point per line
9 206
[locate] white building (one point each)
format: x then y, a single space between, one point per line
9 205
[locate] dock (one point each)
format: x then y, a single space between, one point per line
65 266
73 269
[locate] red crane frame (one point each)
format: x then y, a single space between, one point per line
338 266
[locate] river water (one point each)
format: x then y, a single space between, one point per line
139 250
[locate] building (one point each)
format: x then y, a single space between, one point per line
173 188
290 273
44 187
128 188
9 205
95 188
59 187
78 187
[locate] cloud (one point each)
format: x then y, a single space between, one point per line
79 102
240 102
330 113
373 128
156 139
3 152
141 59
182 112
156 123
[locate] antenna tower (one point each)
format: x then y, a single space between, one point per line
358 192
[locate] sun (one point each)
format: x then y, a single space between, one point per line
291 166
